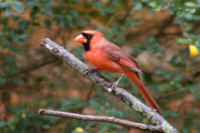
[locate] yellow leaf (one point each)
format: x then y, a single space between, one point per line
23 115
145 120
79 130
171 83
193 50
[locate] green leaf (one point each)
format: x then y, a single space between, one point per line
2 80
190 4
4 5
47 23
183 41
16 80
23 24
8 12
18 6
3 125
138 6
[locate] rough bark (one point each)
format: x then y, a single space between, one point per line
96 118
120 93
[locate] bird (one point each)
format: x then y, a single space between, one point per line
106 56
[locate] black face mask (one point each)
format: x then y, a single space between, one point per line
87 44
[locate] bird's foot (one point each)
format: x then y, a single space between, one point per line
113 85
90 70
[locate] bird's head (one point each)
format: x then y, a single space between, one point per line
88 37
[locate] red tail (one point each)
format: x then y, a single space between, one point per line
143 91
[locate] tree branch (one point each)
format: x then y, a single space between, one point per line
35 65
26 69
164 25
108 119
120 93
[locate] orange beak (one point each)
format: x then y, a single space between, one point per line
81 39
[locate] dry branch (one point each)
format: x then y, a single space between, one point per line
120 93
108 119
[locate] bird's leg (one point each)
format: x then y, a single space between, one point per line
90 70
115 85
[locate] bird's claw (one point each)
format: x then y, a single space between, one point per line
90 70
113 85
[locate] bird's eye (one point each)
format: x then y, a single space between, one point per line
84 34
87 36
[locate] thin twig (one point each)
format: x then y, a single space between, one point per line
26 69
110 21
120 93
118 13
167 22
108 119
34 65
128 12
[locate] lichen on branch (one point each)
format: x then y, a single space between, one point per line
120 93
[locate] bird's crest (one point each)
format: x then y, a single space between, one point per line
93 32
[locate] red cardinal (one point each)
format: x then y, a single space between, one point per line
109 57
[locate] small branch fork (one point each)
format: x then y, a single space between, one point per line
126 123
118 92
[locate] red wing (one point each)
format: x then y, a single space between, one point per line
117 55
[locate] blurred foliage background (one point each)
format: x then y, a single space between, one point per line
157 33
